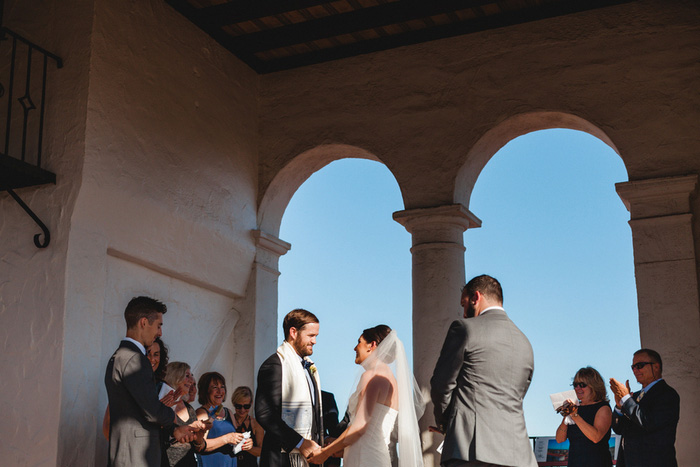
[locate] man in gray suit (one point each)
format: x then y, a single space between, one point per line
480 380
136 414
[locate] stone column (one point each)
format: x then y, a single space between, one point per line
438 277
667 291
264 291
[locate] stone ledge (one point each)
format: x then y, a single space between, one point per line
657 197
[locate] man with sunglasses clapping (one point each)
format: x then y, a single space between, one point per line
646 419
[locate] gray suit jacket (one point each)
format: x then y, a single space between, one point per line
135 412
480 380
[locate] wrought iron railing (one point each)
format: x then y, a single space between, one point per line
23 79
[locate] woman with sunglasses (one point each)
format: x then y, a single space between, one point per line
242 399
590 432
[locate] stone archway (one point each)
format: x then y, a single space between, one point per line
497 137
263 287
664 258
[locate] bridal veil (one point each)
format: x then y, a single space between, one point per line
390 355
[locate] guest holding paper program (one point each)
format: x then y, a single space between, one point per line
242 400
590 432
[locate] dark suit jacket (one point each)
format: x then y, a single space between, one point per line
268 412
331 425
135 412
480 380
648 428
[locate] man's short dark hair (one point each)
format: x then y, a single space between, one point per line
297 319
143 307
653 356
487 285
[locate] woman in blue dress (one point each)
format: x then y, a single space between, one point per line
222 437
589 435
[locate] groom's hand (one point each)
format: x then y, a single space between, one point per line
308 447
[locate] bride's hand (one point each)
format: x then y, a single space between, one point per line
319 457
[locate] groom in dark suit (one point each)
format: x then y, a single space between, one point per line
480 380
136 414
289 393
646 419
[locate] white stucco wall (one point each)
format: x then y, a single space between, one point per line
32 282
166 205
152 132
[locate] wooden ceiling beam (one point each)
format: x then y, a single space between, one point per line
346 23
223 38
438 32
238 11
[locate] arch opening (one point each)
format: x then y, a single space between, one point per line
549 208
349 263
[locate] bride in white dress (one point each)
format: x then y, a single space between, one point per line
384 408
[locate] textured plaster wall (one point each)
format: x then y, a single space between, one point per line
32 281
166 206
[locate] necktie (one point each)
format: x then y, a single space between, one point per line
306 364
640 395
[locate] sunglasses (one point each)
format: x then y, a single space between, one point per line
242 406
640 365
580 385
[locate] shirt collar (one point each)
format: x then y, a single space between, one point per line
492 308
647 387
137 344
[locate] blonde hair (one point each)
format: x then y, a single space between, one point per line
240 393
175 373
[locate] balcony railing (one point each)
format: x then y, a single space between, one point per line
23 79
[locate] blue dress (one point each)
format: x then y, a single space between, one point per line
223 456
582 451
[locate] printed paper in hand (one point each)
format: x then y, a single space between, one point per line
238 447
559 398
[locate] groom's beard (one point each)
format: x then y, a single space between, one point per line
470 311
301 349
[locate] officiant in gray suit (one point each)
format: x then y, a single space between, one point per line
480 380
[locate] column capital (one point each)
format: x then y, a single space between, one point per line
270 243
451 214
269 249
657 197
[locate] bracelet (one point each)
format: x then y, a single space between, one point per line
201 447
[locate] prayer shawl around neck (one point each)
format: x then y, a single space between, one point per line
297 407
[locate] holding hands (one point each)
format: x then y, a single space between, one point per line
319 456
308 448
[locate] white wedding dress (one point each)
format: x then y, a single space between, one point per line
376 447
388 428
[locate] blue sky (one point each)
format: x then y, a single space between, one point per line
554 233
